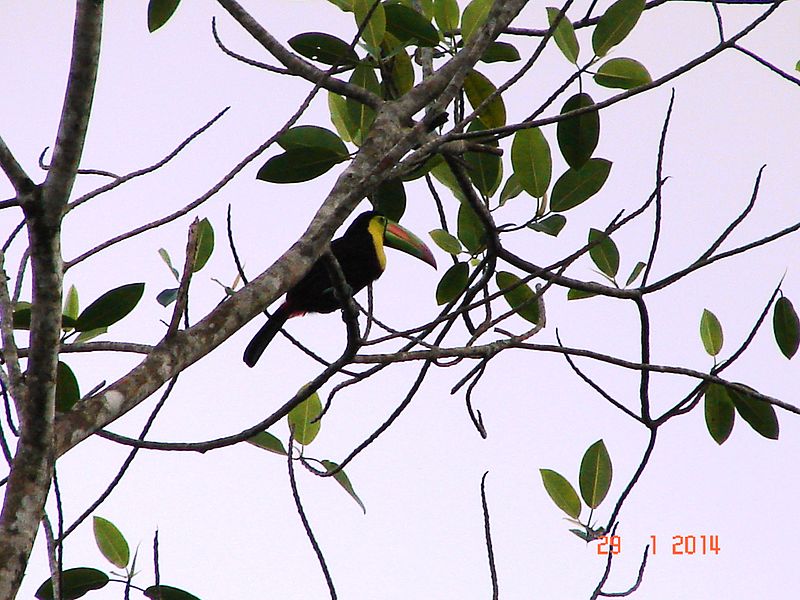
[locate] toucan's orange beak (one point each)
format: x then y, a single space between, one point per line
402 239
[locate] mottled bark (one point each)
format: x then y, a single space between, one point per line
32 468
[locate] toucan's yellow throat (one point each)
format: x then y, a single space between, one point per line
377 229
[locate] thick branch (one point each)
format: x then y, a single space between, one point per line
77 102
32 469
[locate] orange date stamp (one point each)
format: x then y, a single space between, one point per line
682 545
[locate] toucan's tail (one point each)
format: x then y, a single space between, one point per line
264 336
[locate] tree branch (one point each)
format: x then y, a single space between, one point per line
32 469
14 171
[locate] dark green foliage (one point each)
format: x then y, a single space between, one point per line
578 136
325 48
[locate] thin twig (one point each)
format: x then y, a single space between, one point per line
98 172
244 59
737 221
488 533
595 386
644 341
767 64
475 415
606 570
309 533
659 182
636 584
651 444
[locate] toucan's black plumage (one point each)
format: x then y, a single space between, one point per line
360 255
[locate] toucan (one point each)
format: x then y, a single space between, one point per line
360 253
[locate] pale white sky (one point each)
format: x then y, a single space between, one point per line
227 523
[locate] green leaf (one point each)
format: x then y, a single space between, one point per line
167 296
205 245
312 136
325 48
159 12
622 73
267 441
389 199
166 592
361 115
564 35
446 241
595 474
71 303
68 391
340 117
574 294
576 186
111 307
711 332
85 336
530 158
406 25
552 225
376 27
475 14
719 412
519 296
443 174
477 87
344 5
511 189
786 327
470 229
578 136
615 25
586 537
604 253
74 584
635 273
296 166
446 14
500 52
402 73
425 167
561 492
344 481
485 171
22 318
453 283
168 261
759 415
111 542
425 6
302 419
